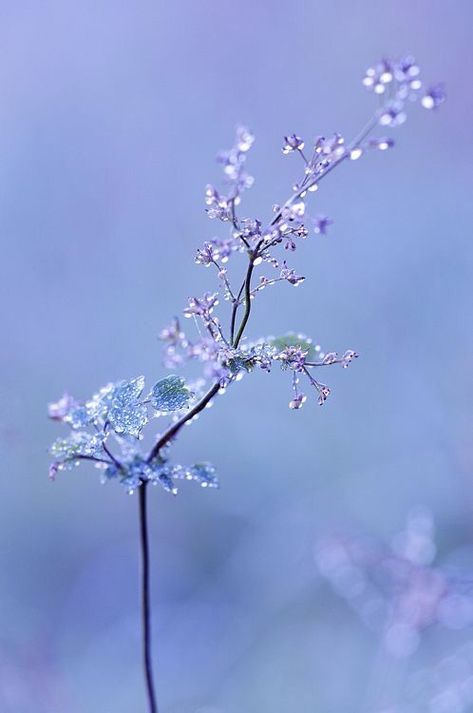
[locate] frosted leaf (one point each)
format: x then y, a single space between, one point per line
294 340
204 474
68 410
129 418
79 417
79 443
167 483
99 404
161 473
125 392
126 414
238 363
170 394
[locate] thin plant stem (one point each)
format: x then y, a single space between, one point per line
145 601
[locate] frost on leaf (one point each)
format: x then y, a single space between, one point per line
79 444
294 340
203 473
126 414
170 394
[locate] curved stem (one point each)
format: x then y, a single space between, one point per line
246 314
365 131
176 427
145 605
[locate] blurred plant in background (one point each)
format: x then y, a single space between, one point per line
400 590
108 428
397 588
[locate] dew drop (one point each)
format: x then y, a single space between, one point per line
355 154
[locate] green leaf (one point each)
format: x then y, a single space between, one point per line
170 394
294 340
236 364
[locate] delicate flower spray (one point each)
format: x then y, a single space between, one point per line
107 429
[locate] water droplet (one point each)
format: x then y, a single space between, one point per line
355 154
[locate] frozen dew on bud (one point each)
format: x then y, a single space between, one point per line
434 97
244 139
291 276
297 402
321 224
201 307
392 114
382 144
323 391
356 153
348 357
292 143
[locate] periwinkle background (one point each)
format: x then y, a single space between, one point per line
111 114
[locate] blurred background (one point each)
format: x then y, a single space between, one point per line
277 592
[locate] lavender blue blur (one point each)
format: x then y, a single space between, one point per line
111 117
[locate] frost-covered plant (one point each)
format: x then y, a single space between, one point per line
107 429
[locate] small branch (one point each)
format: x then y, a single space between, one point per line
235 307
225 279
111 456
369 126
96 459
145 604
246 314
